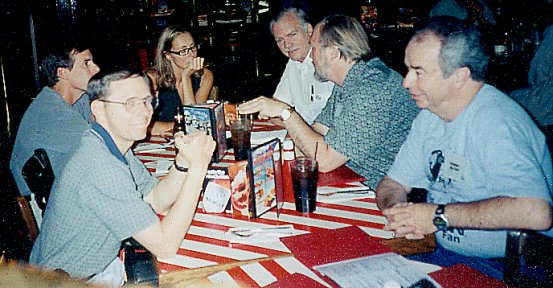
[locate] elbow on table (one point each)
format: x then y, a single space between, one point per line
330 164
164 251
542 216
325 168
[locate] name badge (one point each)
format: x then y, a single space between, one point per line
454 167
215 198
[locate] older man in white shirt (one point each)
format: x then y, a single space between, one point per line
298 86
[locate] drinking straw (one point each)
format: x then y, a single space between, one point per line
316 148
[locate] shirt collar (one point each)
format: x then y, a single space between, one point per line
103 134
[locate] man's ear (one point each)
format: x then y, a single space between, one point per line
61 72
335 53
309 30
97 109
461 76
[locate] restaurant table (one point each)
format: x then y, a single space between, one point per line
206 243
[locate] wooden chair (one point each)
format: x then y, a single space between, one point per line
528 253
28 217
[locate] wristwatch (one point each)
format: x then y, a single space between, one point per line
180 168
440 221
286 113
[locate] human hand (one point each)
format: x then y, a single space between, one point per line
194 149
195 65
267 107
409 220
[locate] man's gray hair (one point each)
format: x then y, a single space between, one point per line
98 87
298 13
346 33
461 46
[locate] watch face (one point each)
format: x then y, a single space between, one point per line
440 222
285 114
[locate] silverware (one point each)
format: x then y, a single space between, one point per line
247 232
362 191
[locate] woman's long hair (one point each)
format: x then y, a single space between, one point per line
164 70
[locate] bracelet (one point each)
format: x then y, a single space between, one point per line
180 168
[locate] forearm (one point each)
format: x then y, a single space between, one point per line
501 213
167 190
187 97
310 140
163 239
205 87
277 122
184 208
390 192
305 138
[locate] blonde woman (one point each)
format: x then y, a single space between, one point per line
180 76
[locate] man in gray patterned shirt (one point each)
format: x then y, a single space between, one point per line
368 115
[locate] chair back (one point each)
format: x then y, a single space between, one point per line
140 264
528 260
28 217
39 176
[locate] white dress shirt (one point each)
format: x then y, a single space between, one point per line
299 88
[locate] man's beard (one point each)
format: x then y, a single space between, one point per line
321 74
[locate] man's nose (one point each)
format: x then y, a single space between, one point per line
408 80
286 44
95 69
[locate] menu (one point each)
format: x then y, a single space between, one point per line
262 180
383 270
252 183
210 118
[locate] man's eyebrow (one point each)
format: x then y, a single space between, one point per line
416 67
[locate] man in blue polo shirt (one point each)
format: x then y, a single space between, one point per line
105 194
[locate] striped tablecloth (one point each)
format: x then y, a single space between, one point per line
206 243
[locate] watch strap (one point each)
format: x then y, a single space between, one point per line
180 168
440 209
440 221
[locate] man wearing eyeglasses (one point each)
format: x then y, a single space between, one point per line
105 194
57 117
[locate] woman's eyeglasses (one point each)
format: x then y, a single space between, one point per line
134 104
185 51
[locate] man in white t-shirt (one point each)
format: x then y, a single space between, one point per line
298 86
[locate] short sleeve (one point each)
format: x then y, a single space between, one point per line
327 114
407 168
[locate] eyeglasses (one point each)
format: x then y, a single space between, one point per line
134 104
185 51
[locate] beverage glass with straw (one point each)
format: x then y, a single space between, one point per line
305 173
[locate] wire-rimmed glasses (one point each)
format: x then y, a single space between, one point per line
134 104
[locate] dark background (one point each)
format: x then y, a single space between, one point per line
244 58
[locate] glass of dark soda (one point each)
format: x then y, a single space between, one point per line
240 131
305 173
